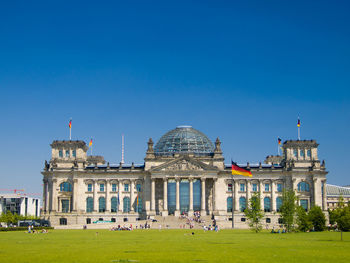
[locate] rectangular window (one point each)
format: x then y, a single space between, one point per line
242 187
89 187
114 187
67 153
267 187
302 153
279 187
229 188
60 153
102 187
255 187
74 153
65 206
126 187
138 188
268 220
308 153
304 203
295 152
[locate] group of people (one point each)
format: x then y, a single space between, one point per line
119 228
32 230
211 228
279 231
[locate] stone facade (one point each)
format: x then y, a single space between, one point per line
72 179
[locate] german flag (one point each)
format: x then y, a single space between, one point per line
298 124
70 124
279 141
240 171
90 143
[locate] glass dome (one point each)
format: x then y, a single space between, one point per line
184 139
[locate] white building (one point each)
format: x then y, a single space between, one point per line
20 204
183 173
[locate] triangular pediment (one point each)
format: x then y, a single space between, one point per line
184 163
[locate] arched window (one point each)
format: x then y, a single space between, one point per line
229 204
89 204
101 204
303 187
65 187
139 204
278 204
114 204
242 204
267 204
126 205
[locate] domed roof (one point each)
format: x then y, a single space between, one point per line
184 139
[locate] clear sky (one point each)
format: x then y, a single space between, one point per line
239 70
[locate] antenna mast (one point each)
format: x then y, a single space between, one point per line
122 149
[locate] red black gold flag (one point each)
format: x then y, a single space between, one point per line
70 124
240 171
298 122
279 141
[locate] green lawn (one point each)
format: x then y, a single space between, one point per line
173 246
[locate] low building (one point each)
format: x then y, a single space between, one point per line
184 172
336 194
20 205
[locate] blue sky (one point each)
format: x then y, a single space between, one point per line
241 71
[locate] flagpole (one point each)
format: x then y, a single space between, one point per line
70 134
278 148
299 133
233 224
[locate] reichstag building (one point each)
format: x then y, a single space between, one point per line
183 173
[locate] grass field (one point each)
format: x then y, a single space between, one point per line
173 246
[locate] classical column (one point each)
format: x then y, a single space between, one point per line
178 195
273 197
236 196
108 198
120 196
248 191
153 194
132 196
54 195
261 191
324 195
214 194
95 196
49 196
203 209
316 193
44 195
165 195
191 197
75 195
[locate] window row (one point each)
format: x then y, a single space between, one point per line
267 187
67 153
101 187
114 204
243 204
301 153
267 204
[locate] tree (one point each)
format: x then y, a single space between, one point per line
344 219
288 209
302 220
317 218
254 213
